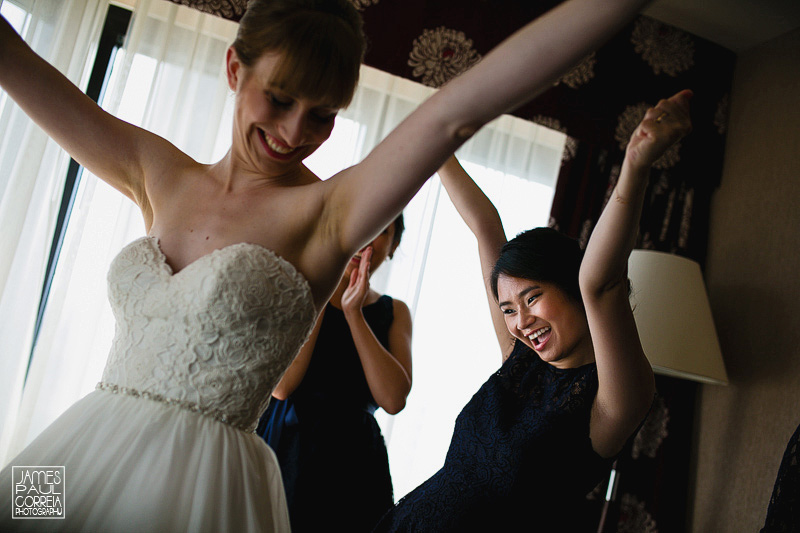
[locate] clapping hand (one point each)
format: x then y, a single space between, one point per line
356 291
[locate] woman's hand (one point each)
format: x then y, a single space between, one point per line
483 220
388 372
625 377
661 127
356 292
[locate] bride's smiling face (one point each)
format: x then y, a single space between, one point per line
274 127
292 69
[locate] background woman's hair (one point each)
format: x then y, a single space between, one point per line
399 228
321 43
541 254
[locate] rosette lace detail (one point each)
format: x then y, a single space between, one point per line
520 454
214 338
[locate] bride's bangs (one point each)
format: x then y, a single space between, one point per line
320 64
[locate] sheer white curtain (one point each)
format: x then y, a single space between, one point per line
170 80
32 170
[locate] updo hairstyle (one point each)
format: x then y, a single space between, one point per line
541 254
321 43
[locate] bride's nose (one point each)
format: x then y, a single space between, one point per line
292 129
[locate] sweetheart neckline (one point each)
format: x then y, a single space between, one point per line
155 243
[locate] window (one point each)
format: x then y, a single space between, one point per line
111 39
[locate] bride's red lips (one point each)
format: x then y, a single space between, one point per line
266 139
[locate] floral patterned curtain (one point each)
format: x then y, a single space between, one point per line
597 104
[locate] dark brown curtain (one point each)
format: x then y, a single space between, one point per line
646 62
597 104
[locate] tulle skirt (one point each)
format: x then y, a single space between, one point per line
136 464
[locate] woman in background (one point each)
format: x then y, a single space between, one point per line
574 384
320 421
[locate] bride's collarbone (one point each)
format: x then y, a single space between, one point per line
274 217
283 220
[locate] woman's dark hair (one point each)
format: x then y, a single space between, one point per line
541 254
321 42
399 228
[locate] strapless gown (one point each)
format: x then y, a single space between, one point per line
166 442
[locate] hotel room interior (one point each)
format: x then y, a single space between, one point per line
730 204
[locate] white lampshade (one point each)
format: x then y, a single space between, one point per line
673 317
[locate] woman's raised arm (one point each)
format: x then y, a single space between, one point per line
625 377
481 216
110 148
362 200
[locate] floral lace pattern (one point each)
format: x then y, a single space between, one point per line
216 336
520 448
783 514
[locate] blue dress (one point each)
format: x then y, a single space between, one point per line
783 514
520 458
330 449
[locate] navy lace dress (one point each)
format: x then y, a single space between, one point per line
329 446
520 458
783 514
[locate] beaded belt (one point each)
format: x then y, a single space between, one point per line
189 406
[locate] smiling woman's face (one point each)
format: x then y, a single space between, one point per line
275 127
547 320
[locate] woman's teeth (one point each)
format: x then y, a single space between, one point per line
535 335
277 147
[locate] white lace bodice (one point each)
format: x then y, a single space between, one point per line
216 337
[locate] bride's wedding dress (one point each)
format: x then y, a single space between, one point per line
166 441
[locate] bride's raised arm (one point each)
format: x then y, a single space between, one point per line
365 198
114 150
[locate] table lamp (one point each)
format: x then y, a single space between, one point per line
676 329
673 317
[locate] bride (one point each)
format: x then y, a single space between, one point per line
213 304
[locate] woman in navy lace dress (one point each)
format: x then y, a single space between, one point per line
320 421
783 514
574 384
